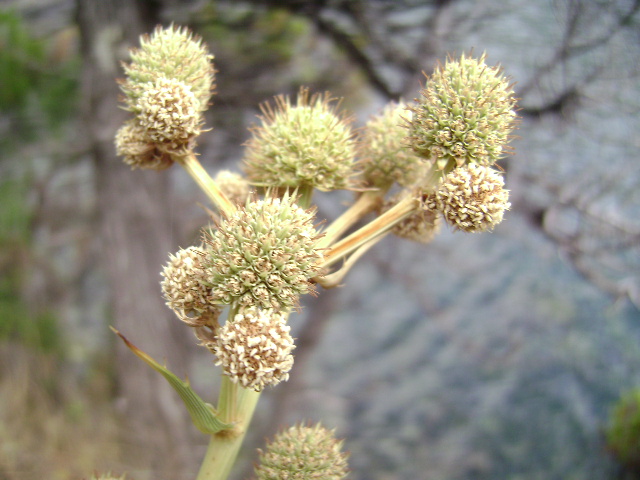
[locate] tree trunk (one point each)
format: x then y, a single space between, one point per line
135 237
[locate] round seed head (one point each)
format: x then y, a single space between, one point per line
383 151
254 348
185 288
303 453
137 151
234 186
264 254
465 114
173 53
472 199
167 112
307 144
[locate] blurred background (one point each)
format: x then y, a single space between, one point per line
476 357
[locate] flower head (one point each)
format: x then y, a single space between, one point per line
254 348
383 151
185 288
234 186
167 112
264 254
307 144
173 53
465 114
303 453
471 198
138 152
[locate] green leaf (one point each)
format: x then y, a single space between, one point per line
203 415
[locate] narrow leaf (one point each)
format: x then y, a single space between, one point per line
203 414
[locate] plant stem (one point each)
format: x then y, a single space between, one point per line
363 205
206 183
372 230
237 407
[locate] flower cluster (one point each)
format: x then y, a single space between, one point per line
168 86
254 348
465 114
301 453
264 255
302 145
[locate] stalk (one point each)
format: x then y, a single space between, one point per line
206 183
363 205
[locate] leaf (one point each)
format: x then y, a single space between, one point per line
203 414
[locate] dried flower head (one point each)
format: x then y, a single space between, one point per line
138 152
173 53
383 151
302 145
471 198
465 114
185 288
420 227
168 113
303 453
264 254
254 348
234 186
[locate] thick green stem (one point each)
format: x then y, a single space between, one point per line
237 405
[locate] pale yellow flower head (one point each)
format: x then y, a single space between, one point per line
307 144
472 198
254 348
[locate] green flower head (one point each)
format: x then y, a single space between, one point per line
383 151
264 255
302 145
465 114
303 453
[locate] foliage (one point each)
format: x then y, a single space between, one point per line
623 431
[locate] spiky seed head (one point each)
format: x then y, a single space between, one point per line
264 255
254 348
167 112
185 288
234 186
384 155
303 453
173 53
137 151
304 145
465 114
472 198
420 227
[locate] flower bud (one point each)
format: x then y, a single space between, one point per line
306 145
471 198
254 348
303 453
465 114
138 152
383 151
264 255
186 289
